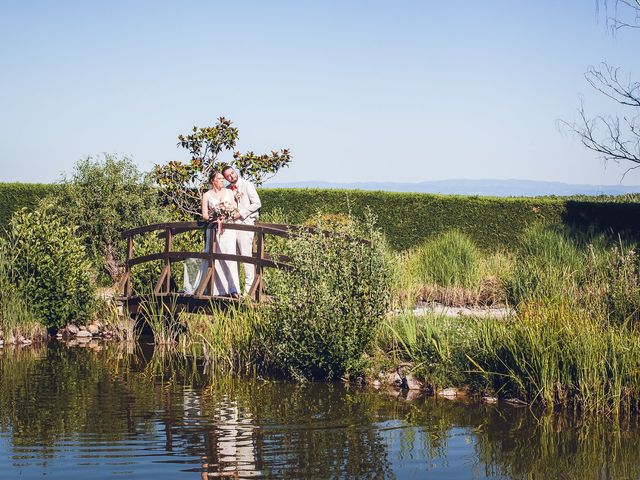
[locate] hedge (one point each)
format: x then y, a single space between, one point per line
14 196
409 218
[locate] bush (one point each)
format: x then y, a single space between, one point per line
326 311
49 267
104 197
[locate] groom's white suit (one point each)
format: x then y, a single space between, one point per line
248 205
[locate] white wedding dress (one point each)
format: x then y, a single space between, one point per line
226 271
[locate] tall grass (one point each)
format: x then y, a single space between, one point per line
231 337
162 317
452 270
550 356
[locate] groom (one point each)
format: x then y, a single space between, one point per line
248 207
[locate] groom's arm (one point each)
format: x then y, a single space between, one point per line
254 202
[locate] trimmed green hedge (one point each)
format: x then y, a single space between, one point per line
409 218
17 195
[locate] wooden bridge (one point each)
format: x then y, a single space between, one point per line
165 289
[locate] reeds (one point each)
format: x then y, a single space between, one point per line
450 269
231 337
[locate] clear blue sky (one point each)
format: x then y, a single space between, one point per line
365 90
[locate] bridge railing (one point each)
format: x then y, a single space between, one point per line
168 230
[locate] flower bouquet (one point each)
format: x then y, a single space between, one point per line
222 212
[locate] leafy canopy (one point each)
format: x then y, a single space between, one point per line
182 183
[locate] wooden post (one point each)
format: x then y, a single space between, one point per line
127 267
212 264
168 244
259 257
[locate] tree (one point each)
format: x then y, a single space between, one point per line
182 184
103 197
613 137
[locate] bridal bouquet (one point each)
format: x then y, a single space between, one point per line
222 212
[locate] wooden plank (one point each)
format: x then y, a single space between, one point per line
167 263
212 258
204 281
164 274
175 256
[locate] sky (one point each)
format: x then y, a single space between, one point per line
359 90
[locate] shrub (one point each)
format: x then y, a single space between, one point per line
325 312
16 317
50 267
102 198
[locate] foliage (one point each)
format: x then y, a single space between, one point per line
325 312
14 196
409 219
49 267
16 317
103 197
182 184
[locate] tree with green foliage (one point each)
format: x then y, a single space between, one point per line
183 183
103 197
49 266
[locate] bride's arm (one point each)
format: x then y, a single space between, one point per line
204 207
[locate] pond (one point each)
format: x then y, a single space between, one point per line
118 411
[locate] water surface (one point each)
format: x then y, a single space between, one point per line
129 412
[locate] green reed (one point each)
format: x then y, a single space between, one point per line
230 337
450 269
162 317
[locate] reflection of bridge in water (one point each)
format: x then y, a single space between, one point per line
165 289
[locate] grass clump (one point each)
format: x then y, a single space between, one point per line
450 269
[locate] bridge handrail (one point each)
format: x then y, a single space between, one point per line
260 258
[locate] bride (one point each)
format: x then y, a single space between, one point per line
217 203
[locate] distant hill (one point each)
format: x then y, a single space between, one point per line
495 188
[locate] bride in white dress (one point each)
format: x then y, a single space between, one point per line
226 271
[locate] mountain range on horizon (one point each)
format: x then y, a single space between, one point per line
494 188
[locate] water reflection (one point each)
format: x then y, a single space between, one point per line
136 412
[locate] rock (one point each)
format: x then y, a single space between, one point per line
82 328
59 335
449 392
490 400
93 329
1 343
83 334
412 383
376 383
515 401
26 341
10 340
72 329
